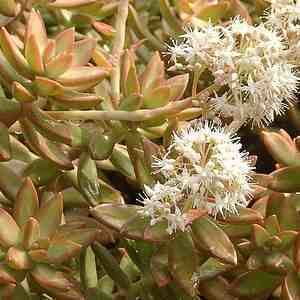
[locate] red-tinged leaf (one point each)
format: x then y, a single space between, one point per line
213 239
30 233
49 216
183 261
27 202
83 51
82 237
291 287
47 87
254 284
5 147
61 250
10 111
18 259
78 100
178 85
59 65
278 263
9 230
153 73
130 79
104 28
79 76
36 27
49 52
13 54
64 41
21 94
244 216
49 278
281 149
34 56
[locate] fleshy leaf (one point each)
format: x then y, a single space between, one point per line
5 147
255 283
212 238
9 230
183 261
49 216
27 202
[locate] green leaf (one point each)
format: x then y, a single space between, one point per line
114 216
211 268
45 148
216 289
131 102
42 171
157 97
289 219
10 182
87 177
61 250
88 268
96 294
27 202
49 216
9 230
213 239
5 147
111 266
285 180
100 146
255 283
183 261
159 267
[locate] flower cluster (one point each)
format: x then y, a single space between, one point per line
204 168
284 15
250 66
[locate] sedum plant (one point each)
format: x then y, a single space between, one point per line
124 140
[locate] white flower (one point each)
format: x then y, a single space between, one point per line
250 63
204 168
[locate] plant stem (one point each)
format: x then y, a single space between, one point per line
118 47
134 116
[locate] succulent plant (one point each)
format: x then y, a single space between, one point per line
120 174
35 245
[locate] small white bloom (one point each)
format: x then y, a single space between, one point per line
208 171
251 63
